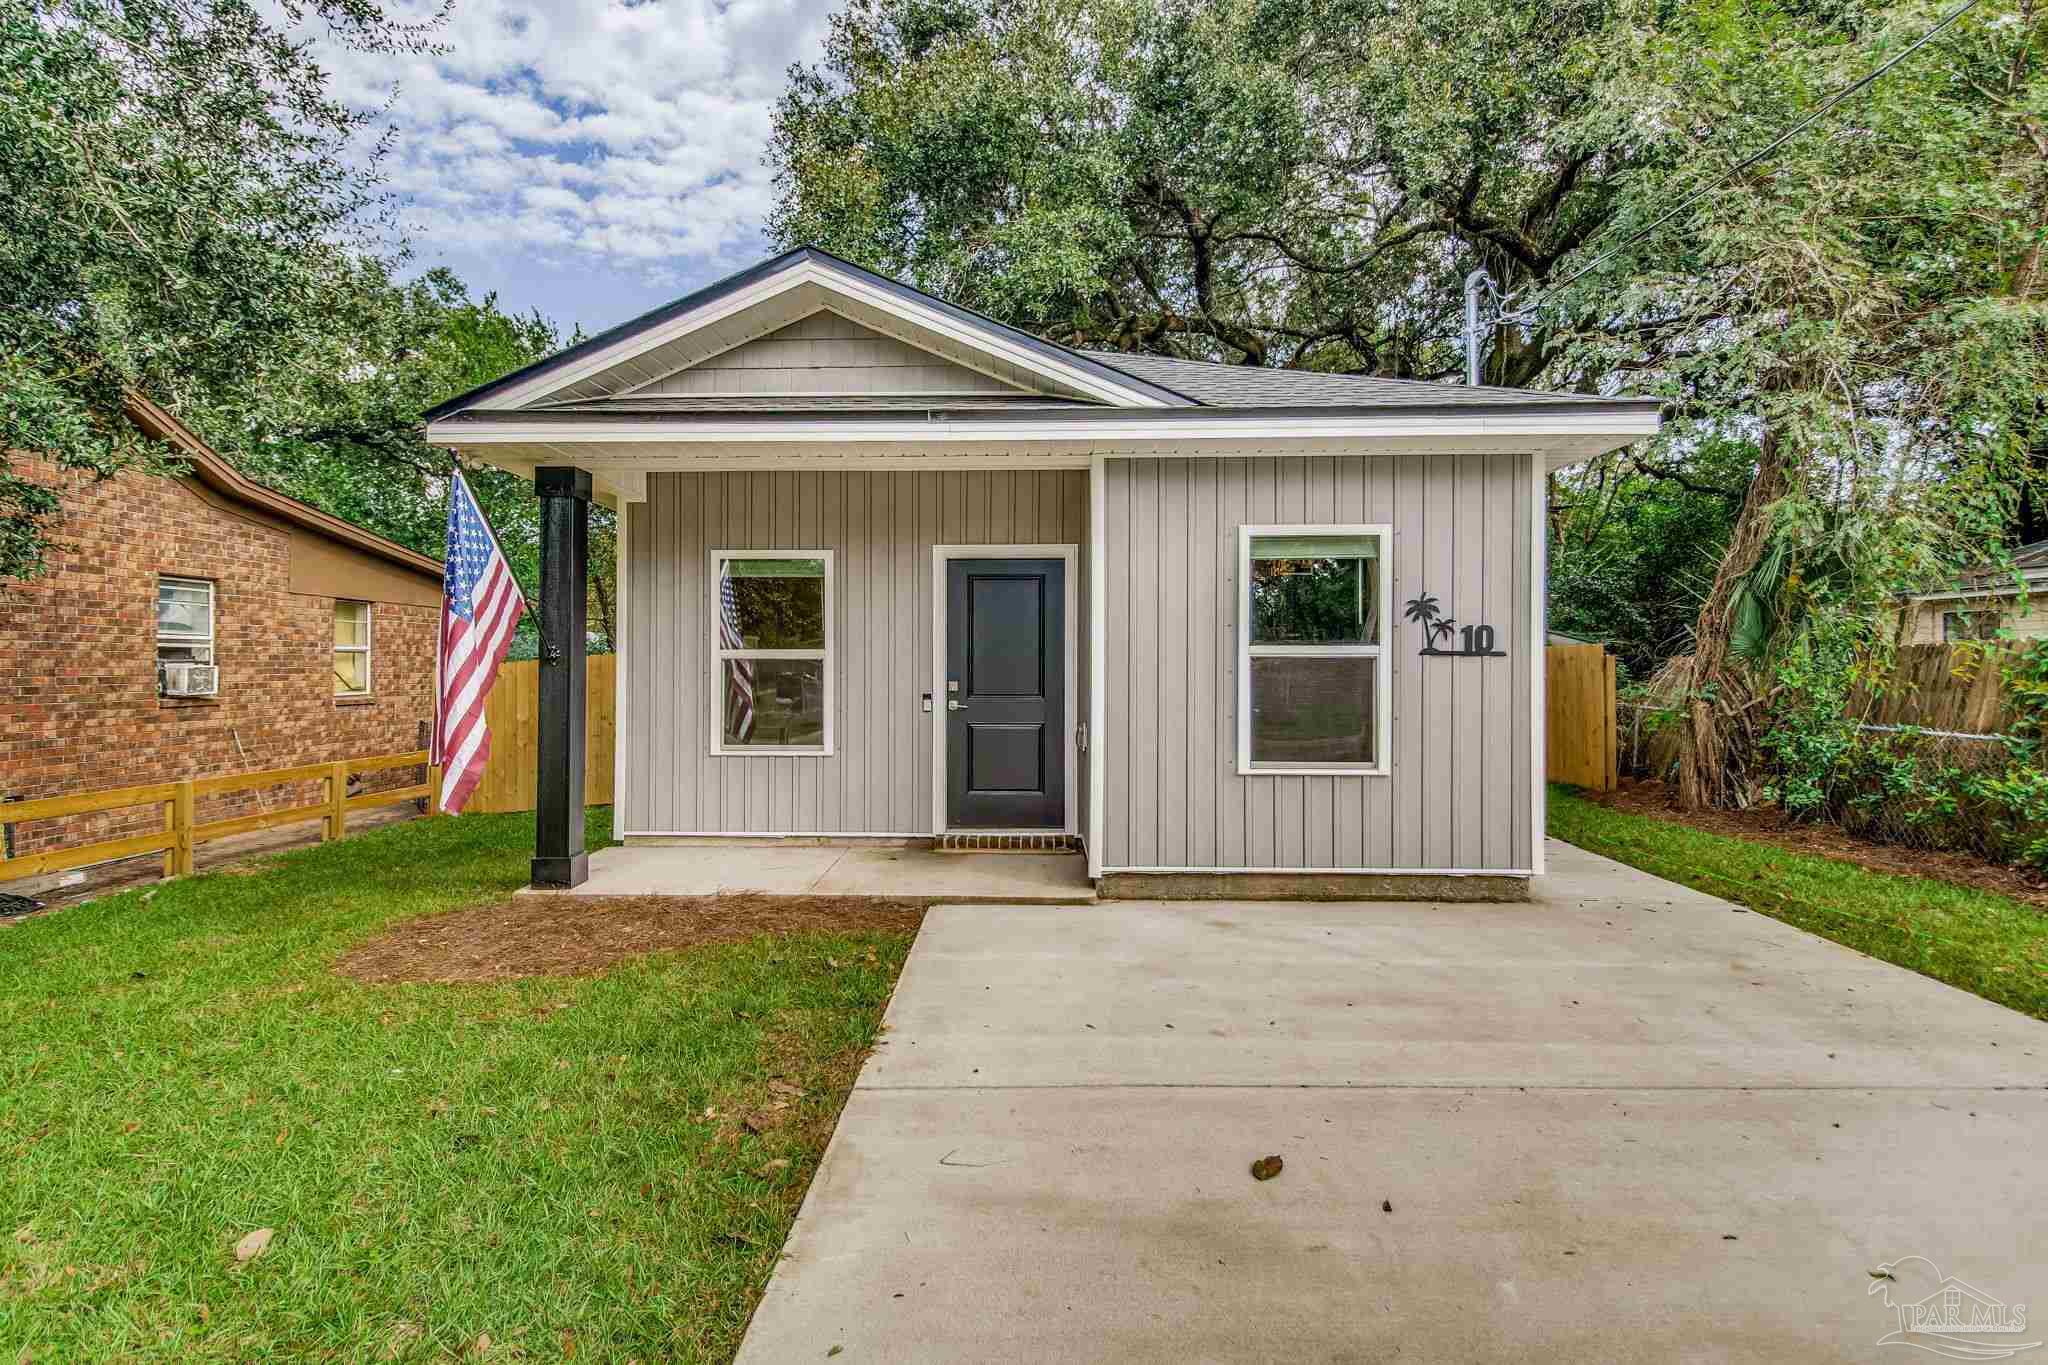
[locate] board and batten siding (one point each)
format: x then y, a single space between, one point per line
1461 785
827 354
881 526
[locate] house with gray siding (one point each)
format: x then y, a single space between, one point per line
891 570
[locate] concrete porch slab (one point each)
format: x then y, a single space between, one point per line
812 870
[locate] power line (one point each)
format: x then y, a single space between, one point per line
1820 111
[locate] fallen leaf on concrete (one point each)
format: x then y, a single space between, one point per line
1386 1206
252 1246
834 1351
1266 1167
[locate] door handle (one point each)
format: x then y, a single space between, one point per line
953 704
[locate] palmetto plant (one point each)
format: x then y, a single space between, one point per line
1429 615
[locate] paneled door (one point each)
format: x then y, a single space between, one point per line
1005 695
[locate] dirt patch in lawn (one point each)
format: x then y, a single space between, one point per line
579 935
1767 825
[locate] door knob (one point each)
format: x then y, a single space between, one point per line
953 704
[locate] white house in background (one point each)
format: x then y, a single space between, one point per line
1988 604
892 570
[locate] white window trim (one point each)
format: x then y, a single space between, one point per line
1383 675
212 606
369 638
719 749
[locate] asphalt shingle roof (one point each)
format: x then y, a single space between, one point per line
1252 386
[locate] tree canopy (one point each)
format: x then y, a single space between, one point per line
184 210
1272 182
188 212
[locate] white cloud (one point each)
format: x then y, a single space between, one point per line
567 138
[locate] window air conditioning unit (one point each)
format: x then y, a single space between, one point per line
191 680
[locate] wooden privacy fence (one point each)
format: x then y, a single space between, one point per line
180 835
514 712
1579 716
1956 688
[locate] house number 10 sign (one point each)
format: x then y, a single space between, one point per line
1474 642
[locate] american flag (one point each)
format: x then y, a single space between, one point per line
739 692
480 608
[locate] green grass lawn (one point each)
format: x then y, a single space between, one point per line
1988 944
530 1161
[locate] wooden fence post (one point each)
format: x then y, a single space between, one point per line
433 789
1614 758
182 807
337 798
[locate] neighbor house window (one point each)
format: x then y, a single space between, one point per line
351 649
1313 686
771 639
1981 624
185 664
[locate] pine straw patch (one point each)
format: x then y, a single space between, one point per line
580 935
1767 825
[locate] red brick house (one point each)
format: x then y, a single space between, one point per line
203 626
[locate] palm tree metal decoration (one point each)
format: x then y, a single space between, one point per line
1477 641
1435 624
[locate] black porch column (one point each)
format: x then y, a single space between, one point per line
558 856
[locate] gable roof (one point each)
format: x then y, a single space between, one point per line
834 278
216 473
603 377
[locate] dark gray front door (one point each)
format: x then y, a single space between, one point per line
1006 719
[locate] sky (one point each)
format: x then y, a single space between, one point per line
589 158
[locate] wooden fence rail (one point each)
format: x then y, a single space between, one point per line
181 835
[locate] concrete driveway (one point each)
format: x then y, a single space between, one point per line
1628 1122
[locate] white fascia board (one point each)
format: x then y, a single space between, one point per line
810 272
1528 429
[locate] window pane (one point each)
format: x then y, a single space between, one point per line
352 671
184 608
1982 624
772 603
351 623
184 654
774 702
1314 710
1326 600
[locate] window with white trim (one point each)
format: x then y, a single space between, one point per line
351 648
185 637
771 639
1313 684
